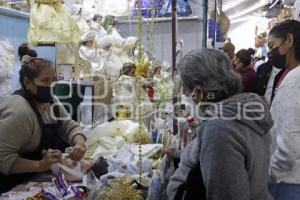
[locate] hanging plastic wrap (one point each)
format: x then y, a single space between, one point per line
182 6
51 23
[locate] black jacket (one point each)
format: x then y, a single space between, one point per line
262 78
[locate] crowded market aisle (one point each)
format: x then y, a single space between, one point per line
114 113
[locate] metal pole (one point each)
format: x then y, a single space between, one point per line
215 24
174 41
174 36
204 22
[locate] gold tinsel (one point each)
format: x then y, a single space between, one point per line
141 138
120 189
142 68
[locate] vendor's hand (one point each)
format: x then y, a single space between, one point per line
78 152
49 157
79 148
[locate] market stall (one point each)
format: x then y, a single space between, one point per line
116 70
123 75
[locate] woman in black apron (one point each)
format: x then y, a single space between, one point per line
36 77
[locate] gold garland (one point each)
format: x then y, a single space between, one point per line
139 84
140 32
120 189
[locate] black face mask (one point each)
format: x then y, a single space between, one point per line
43 94
276 59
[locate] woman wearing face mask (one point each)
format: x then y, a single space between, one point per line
268 71
285 110
242 64
229 158
32 134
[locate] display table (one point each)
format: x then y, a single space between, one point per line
28 189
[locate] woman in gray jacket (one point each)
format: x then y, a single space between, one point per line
229 158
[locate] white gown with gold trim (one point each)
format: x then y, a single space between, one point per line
50 22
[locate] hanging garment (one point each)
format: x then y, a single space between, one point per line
50 22
183 8
149 7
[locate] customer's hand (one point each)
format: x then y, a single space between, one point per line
50 157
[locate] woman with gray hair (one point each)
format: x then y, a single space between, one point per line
229 158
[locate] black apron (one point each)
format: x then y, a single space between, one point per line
50 139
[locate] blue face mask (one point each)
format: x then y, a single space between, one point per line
43 94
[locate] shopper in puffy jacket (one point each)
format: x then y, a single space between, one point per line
229 158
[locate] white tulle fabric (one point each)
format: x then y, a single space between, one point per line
6 68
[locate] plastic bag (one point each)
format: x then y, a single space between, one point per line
160 180
182 6
72 170
89 180
134 165
148 150
154 189
128 162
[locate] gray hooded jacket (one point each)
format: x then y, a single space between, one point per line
229 159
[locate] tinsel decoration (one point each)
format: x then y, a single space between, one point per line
120 189
142 68
142 64
139 84
140 32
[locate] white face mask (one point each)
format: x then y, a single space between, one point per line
192 106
